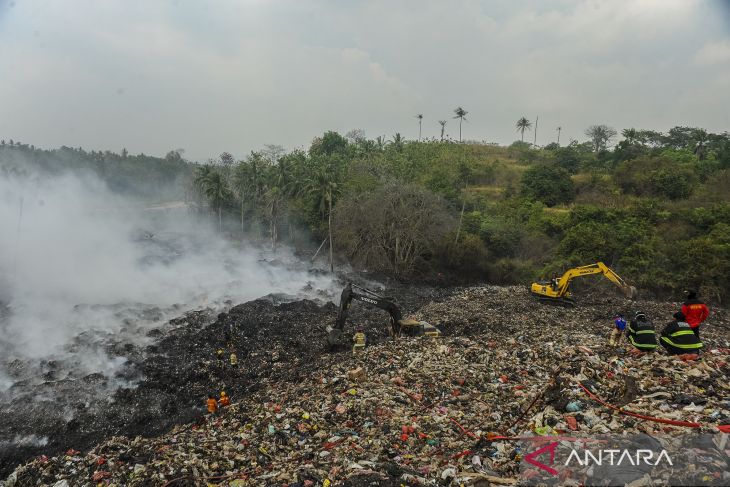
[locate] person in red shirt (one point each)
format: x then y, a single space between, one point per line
695 312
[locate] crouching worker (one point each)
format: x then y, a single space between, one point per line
641 333
678 337
224 400
358 340
619 325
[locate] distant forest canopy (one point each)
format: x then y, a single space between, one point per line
146 177
654 206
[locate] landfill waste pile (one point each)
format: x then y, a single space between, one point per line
413 411
275 338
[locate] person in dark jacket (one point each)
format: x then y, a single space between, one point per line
695 311
678 337
641 333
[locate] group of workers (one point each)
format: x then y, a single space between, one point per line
680 336
232 358
224 400
214 404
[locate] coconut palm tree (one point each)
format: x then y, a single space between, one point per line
630 135
461 115
213 184
522 125
420 121
701 138
398 141
443 127
322 184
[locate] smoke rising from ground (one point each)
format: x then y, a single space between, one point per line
81 267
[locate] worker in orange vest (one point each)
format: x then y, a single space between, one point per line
224 400
212 404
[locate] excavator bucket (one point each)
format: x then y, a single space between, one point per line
334 336
632 293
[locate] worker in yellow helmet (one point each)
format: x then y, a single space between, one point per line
358 340
224 400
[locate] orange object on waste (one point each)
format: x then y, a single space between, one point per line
687 357
572 422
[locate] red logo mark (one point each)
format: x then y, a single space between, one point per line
530 458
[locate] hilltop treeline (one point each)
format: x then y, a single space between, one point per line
142 176
655 206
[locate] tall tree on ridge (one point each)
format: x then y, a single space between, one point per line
461 115
420 121
522 125
443 127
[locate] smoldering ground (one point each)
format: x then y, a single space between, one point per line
87 276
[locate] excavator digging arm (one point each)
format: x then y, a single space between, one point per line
398 325
559 288
365 296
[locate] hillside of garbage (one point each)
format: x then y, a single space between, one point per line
411 411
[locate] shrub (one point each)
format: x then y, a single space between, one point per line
548 183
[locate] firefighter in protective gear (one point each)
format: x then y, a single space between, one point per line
220 354
695 311
641 333
212 404
224 400
234 359
678 337
619 325
358 340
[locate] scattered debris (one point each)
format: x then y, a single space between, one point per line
416 411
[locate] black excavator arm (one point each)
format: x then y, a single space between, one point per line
368 297
353 292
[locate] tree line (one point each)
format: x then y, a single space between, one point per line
502 214
654 205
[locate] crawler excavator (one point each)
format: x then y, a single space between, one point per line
557 290
398 325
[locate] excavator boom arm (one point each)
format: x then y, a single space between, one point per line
597 268
368 297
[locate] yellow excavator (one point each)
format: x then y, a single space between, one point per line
557 290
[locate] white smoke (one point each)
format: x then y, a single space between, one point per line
78 262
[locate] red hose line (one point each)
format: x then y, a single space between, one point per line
674 422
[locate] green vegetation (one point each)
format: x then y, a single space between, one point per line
655 207
145 177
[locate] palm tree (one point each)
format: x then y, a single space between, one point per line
241 185
274 197
461 115
398 141
522 125
443 127
630 135
701 138
322 184
213 185
420 121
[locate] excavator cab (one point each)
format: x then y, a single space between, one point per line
398 325
557 290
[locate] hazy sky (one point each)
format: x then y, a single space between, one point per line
209 76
